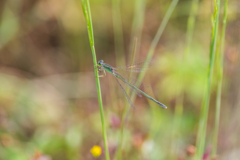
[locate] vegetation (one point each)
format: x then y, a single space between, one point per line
53 107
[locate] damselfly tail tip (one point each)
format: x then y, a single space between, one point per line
162 105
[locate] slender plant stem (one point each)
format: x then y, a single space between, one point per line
118 33
156 40
201 137
176 131
151 51
179 102
190 26
219 84
137 24
125 110
87 14
153 46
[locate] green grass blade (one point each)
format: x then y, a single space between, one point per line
87 14
176 130
156 40
126 109
118 33
137 25
153 46
201 137
219 84
190 26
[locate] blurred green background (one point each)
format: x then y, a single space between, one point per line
48 100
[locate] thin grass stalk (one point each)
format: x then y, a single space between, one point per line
190 26
125 110
137 24
179 105
154 44
118 33
152 49
136 34
158 36
176 130
201 137
219 84
87 14
155 41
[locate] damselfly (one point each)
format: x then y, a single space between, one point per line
105 67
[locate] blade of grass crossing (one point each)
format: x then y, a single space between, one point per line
118 33
156 40
205 107
154 44
87 14
137 24
219 84
126 109
190 25
176 130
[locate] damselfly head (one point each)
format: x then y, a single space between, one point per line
100 62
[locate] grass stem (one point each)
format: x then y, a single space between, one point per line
190 25
201 137
87 14
219 84
118 33
156 40
126 107
177 120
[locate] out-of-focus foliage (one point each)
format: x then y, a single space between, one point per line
48 100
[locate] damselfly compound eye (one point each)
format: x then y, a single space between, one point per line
100 62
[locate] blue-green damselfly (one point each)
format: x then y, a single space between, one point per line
105 67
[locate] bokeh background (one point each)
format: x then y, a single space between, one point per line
48 99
